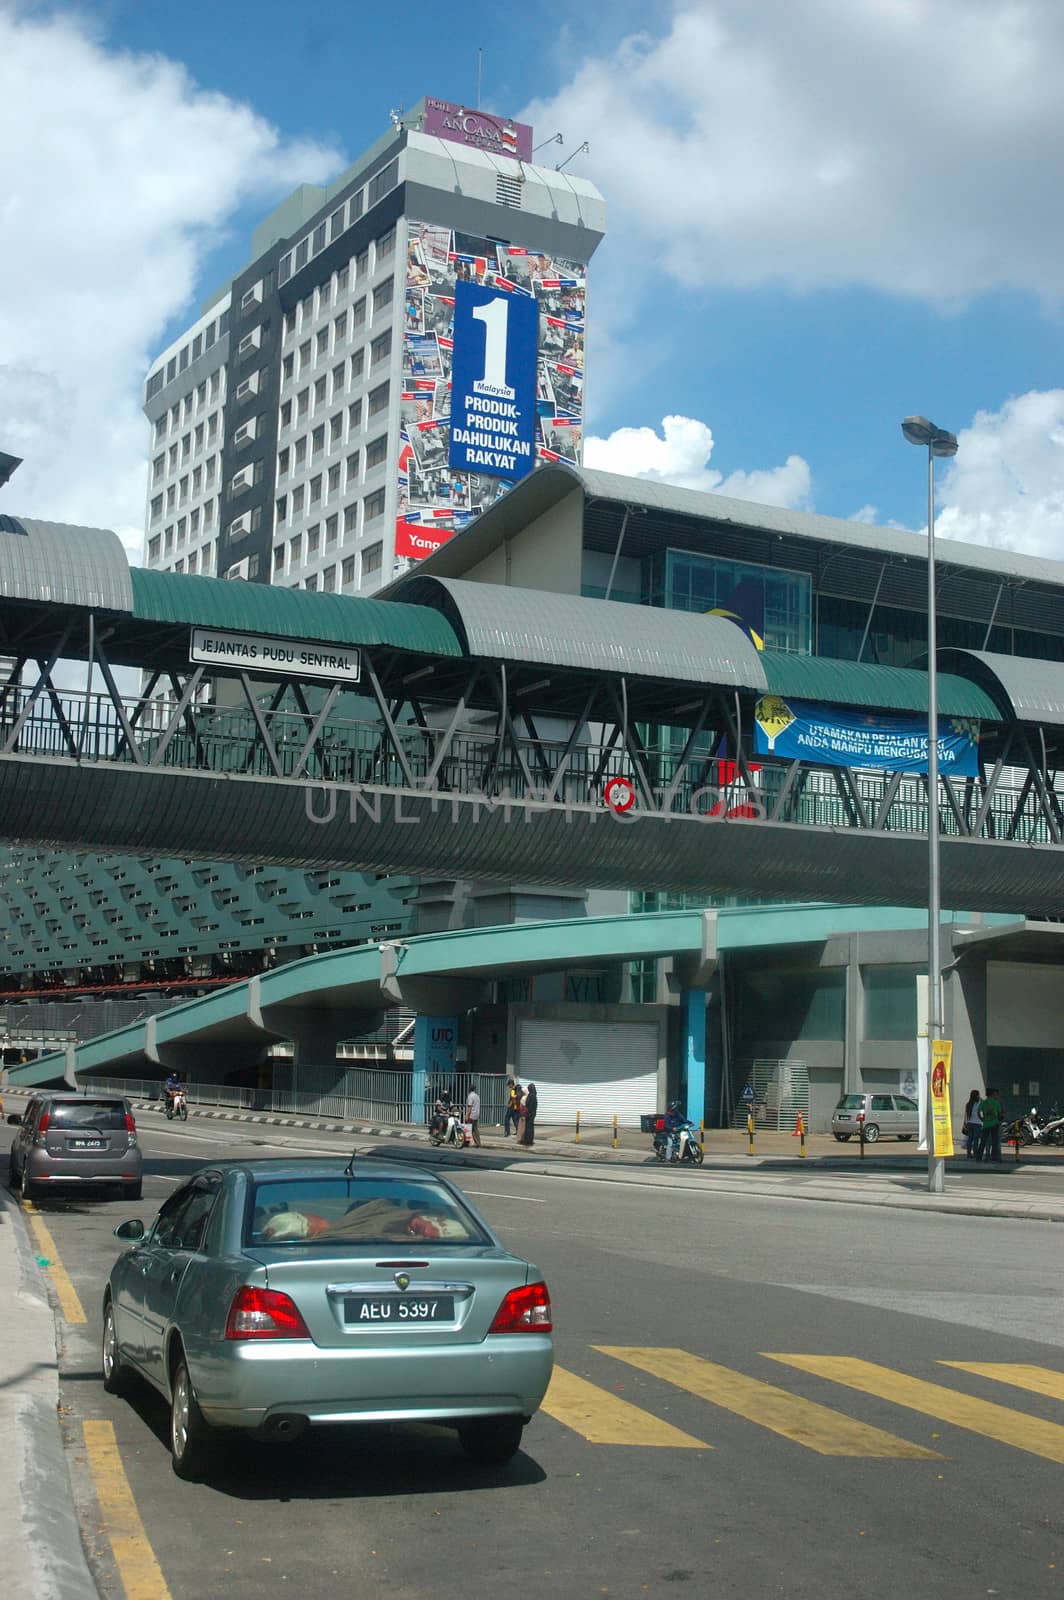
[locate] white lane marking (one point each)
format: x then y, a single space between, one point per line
260 1144
493 1194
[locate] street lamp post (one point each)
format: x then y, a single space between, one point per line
937 442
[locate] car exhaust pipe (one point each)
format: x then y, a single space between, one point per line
284 1430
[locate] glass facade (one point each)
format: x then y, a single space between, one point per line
889 1002
695 582
791 1005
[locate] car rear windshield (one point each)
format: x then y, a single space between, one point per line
850 1102
368 1210
88 1114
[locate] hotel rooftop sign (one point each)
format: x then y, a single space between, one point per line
498 135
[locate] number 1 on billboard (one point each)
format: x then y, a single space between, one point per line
494 316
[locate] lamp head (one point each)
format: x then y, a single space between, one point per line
918 430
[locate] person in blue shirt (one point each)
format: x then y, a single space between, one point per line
172 1083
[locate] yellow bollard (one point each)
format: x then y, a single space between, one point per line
578 1127
750 1131
615 1130
702 1134
801 1130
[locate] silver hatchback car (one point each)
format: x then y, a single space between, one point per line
78 1139
886 1116
273 1294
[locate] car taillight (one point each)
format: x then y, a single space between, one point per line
42 1126
264 1314
131 1126
525 1310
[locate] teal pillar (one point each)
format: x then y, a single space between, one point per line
435 1059
693 1019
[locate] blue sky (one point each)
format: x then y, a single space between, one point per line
822 217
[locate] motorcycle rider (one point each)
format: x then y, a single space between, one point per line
171 1086
674 1121
442 1111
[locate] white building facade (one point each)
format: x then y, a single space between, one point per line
301 426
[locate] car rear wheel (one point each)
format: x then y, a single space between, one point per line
491 1442
13 1180
115 1371
842 1137
30 1191
871 1133
189 1433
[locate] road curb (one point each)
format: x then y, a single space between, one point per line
46 1559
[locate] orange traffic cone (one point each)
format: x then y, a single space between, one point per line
798 1127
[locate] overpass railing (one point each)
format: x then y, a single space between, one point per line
1017 798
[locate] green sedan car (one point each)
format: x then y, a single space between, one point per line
269 1295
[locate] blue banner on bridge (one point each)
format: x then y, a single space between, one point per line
798 731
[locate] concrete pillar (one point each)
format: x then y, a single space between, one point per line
852 1078
693 1057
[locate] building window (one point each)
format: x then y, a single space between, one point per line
298 495
352 466
315 489
288 367
319 238
334 477
358 364
313 540
378 400
350 519
160 429
318 438
303 402
328 580
157 468
347 571
381 348
289 322
193 523
322 341
340 328
153 548
337 379
336 428
295 552
301 452
383 293
703 583
332 528
282 507
374 506
286 414
278 558
354 415
304 354
197 479
320 390
377 452
199 437
302 252
358 313
283 457
336 224
157 507
371 559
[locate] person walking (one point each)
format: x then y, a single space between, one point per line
990 1114
513 1106
529 1107
971 1127
472 1113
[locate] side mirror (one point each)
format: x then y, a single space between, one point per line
132 1230
15 1119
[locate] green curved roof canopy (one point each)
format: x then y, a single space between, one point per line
178 599
860 683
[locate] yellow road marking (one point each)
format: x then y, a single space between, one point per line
1038 1438
67 1295
604 1418
815 1426
141 1576
1038 1380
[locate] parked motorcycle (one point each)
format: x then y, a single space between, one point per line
687 1146
176 1106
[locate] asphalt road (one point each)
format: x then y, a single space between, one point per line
719 1476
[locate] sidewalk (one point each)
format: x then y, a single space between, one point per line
890 1173
42 1554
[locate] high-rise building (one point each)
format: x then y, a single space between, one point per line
302 425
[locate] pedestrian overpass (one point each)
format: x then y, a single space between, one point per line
473 730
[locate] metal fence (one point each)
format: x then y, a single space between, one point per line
352 1094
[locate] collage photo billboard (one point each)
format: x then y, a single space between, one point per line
443 482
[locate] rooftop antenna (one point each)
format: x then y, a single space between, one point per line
582 149
480 68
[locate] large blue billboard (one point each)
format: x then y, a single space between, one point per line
493 381
796 730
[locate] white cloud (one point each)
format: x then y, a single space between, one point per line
1005 486
911 146
680 454
121 175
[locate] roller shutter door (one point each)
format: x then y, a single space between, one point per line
600 1069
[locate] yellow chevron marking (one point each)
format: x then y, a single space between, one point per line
604 1418
1038 1380
815 1426
1032 1434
